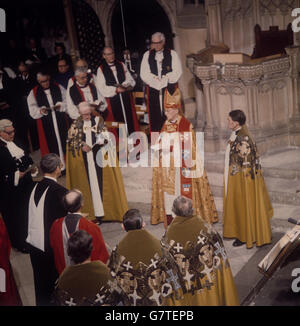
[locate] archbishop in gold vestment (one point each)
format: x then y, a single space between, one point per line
193 182
109 178
203 264
247 209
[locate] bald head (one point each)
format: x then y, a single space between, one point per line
81 63
109 54
73 201
84 107
85 110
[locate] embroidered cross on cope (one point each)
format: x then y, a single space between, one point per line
113 286
208 284
71 302
128 266
201 240
178 247
99 298
153 263
174 279
220 250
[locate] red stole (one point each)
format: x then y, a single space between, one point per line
11 295
111 101
41 133
99 251
186 152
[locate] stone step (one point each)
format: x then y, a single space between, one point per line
281 211
138 186
283 163
282 191
275 172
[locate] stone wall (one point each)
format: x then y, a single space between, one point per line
237 19
266 90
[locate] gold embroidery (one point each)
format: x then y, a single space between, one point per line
92 129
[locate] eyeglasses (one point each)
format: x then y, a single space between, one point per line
109 53
157 42
84 66
9 132
44 81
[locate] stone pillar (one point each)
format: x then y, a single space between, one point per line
251 94
74 48
212 135
200 104
293 53
215 33
207 101
294 121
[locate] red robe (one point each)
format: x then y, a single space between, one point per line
11 296
99 251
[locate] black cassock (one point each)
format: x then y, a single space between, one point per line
13 199
45 125
49 194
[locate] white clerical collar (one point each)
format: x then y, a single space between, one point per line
77 213
172 121
47 177
80 86
14 150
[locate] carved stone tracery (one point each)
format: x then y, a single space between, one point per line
246 84
271 7
236 9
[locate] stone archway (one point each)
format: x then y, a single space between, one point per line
89 34
106 12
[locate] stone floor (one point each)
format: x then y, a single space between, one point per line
282 174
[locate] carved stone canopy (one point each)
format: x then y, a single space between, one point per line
250 72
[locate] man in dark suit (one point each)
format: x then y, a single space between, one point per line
35 52
45 206
15 181
7 97
25 125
